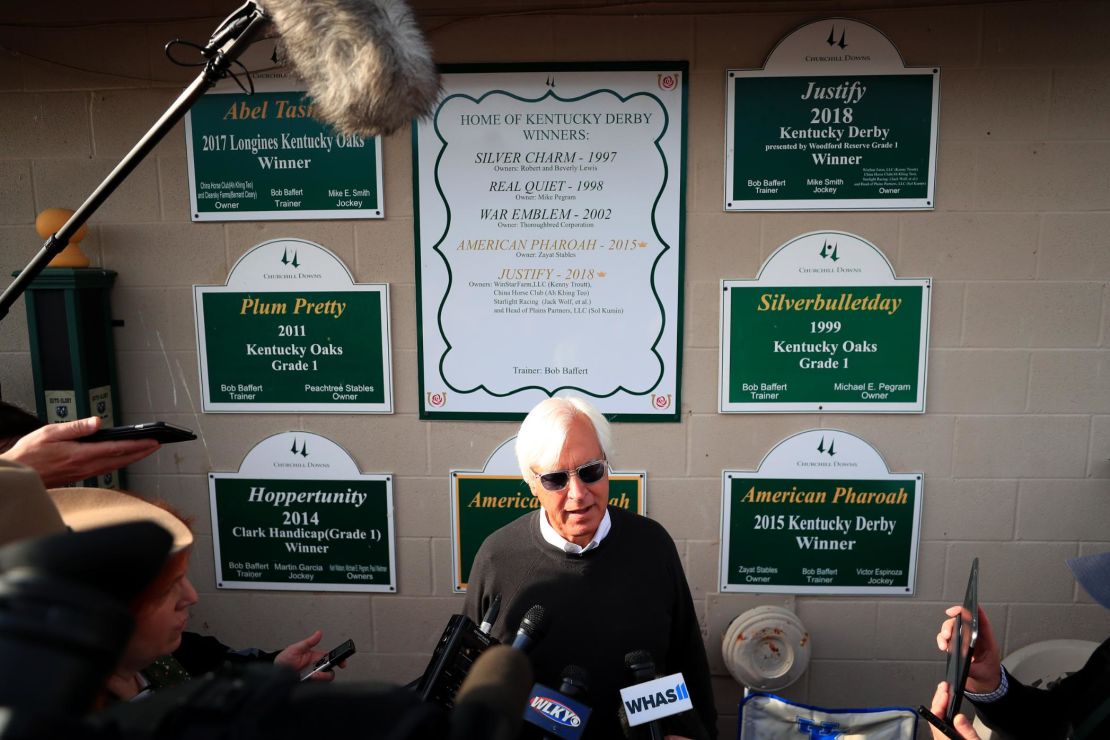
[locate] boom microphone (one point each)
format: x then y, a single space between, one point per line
365 62
490 703
532 627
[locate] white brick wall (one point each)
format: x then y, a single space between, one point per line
1017 435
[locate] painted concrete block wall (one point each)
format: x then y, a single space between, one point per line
1015 442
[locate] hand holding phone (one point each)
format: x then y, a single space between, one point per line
337 655
156 430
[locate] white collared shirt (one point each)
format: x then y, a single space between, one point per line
553 537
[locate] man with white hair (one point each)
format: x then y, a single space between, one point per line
609 580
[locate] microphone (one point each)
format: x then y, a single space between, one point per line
573 693
642 667
651 699
575 683
562 713
364 62
491 614
490 703
532 627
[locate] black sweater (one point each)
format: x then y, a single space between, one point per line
628 594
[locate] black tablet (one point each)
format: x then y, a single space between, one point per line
157 430
960 649
959 652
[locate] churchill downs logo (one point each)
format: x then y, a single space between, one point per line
831 449
286 260
303 452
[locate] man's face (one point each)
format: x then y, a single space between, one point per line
576 511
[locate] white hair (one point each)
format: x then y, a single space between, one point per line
543 432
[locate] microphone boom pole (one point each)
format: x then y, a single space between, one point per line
238 31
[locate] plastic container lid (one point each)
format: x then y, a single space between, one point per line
766 648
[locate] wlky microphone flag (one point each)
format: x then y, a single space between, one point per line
555 713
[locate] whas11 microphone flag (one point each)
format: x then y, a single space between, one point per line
657 698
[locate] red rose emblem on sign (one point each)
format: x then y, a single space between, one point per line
437 399
661 402
668 82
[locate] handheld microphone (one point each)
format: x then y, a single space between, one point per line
641 665
364 62
562 713
491 614
532 627
576 682
651 698
491 700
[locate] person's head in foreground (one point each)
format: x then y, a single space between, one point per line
161 611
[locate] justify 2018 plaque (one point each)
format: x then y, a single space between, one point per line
299 516
822 515
292 332
834 121
825 327
550 238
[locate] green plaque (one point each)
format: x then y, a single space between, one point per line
263 157
834 121
822 515
825 327
299 516
484 501
292 332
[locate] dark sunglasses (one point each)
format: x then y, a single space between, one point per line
590 472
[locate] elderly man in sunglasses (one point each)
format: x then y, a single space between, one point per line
610 581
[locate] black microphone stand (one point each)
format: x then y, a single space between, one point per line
238 31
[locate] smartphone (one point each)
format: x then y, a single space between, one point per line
158 430
337 655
